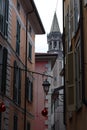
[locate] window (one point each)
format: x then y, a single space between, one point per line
4 10
29 90
15 122
50 45
17 84
55 44
30 51
3 68
78 75
18 6
18 38
28 126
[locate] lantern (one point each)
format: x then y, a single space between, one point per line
44 112
46 86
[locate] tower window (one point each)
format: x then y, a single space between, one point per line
55 44
50 45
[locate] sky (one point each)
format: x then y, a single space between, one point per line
46 10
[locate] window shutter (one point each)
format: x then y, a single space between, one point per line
6 18
4 69
14 83
27 86
28 126
0 120
1 16
30 51
15 122
18 38
71 18
71 82
1 55
1 23
78 75
19 88
31 91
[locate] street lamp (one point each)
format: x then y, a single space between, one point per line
46 86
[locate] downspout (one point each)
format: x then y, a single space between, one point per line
26 67
63 38
82 52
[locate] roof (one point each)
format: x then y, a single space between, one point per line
33 15
46 57
55 25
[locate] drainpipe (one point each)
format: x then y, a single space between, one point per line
26 67
82 52
63 38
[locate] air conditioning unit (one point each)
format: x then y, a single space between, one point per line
85 2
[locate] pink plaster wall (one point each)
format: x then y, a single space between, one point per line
39 96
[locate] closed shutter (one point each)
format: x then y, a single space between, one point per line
1 55
19 88
14 83
4 70
15 123
0 121
27 88
30 51
78 77
1 16
28 126
71 18
18 38
6 18
31 91
71 82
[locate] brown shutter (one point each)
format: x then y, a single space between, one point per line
70 85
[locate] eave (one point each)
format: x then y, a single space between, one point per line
46 57
33 15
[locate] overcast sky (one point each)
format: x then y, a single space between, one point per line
46 10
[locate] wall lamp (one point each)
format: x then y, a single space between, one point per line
46 86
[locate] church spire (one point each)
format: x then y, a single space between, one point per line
55 25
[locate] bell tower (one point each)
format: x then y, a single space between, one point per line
54 38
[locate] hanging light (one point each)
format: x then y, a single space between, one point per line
46 86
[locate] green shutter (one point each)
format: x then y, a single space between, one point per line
70 82
30 51
15 123
18 38
6 18
27 88
31 91
14 83
19 88
4 70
